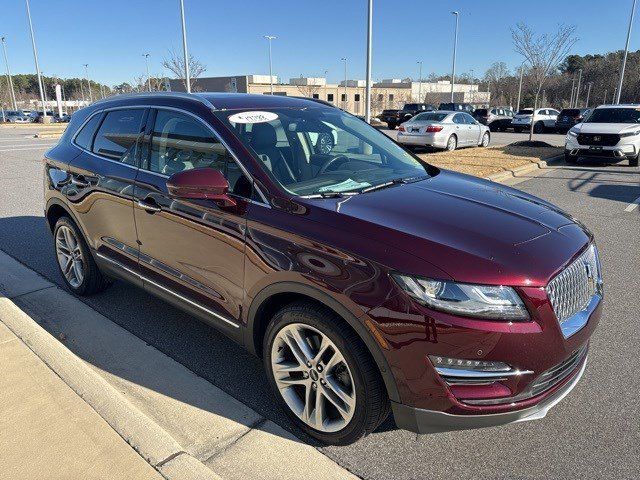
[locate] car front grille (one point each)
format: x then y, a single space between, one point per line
598 139
572 289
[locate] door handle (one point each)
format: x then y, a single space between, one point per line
79 181
149 205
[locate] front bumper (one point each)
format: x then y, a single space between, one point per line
429 421
620 151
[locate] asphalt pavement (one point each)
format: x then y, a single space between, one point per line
593 433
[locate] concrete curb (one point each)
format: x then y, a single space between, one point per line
48 135
500 177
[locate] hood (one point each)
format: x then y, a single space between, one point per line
474 230
607 127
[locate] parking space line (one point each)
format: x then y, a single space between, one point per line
43 147
20 145
633 205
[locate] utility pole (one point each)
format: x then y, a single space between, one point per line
86 76
269 39
420 81
520 87
146 60
573 89
185 51
9 79
624 58
345 102
589 85
35 58
367 101
578 88
455 49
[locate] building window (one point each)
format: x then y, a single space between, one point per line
330 97
316 95
391 97
380 97
357 97
343 97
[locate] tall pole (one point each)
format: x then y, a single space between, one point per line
367 102
604 100
35 58
185 51
520 87
624 58
573 90
86 76
455 48
146 60
589 85
269 39
10 80
345 102
578 88
420 82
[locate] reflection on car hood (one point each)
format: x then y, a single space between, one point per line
607 127
472 229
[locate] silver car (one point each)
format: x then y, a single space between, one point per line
444 129
15 116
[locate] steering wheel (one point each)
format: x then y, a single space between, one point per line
330 162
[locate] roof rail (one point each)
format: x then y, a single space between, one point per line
191 96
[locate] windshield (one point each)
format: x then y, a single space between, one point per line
614 115
526 111
481 112
430 117
321 151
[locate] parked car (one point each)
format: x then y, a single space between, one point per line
461 107
543 119
408 111
15 116
446 130
496 118
569 117
609 132
391 117
64 118
367 280
37 116
508 110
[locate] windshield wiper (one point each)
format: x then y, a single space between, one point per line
331 194
395 181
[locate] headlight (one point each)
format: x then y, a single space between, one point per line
574 133
480 301
630 134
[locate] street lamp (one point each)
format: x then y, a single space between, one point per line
420 81
455 48
187 74
269 39
35 58
86 76
6 62
146 59
345 101
367 101
624 58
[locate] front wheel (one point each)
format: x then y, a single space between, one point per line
538 127
633 162
452 143
322 375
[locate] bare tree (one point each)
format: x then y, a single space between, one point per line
175 64
308 90
544 53
495 76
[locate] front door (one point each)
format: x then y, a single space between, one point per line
191 251
462 129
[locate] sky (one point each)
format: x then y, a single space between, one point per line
313 35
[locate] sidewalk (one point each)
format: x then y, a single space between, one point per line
48 431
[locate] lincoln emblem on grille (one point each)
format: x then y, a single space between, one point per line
590 276
597 138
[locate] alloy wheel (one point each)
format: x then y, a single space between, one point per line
70 257
451 143
313 377
485 140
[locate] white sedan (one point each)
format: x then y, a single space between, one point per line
443 129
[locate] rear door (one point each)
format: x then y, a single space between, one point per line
191 251
103 176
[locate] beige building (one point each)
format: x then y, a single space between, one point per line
387 94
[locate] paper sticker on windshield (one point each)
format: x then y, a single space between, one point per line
253 117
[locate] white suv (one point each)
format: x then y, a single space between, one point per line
544 118
611 131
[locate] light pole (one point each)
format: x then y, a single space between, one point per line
573 90
624 58
185 51
345 102
455 48
86 76
520 87
269 39
35 58
589 85
9 79
420 81
367 101
146 60
578 88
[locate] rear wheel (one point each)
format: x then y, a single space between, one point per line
452 143
322 375
485 140
77 266
392 126
538 127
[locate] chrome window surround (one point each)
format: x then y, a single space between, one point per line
576 291
264 202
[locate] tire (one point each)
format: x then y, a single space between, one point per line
517 129
633 162
538 127
83 277
452 143
486 138
392 126
570 158
355 375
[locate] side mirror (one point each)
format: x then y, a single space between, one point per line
201 184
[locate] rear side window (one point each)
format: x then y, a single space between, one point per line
118 134
85 136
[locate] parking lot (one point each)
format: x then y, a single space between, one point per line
593 433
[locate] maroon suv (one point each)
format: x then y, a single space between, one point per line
366 279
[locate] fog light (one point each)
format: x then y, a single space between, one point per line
474 365
457 370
